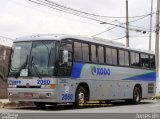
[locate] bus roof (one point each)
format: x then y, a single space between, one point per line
59 37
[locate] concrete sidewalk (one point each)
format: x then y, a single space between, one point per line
5 103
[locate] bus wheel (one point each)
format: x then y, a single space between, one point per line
137 95
40 104
80 97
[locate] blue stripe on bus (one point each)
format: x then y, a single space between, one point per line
144 77
76 70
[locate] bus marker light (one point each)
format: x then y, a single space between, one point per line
53 86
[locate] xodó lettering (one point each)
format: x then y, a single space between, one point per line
100 71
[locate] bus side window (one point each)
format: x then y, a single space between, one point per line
81 52
93 53
121 57
126 58
133 59
145 62
85 52
152 62
137 60
108 56
142 60
100 54
114 56
78 51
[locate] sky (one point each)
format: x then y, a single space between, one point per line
22 18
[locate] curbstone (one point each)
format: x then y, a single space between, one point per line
8 104
156 98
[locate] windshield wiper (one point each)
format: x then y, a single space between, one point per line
35 68
22 67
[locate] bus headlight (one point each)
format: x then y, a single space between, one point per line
45 86
51 86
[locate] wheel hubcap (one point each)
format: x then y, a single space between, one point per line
81 98
137 96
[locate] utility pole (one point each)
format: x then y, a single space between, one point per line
150 34
127 25
157 52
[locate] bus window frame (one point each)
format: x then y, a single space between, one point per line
104 51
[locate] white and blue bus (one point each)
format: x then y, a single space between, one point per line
48 69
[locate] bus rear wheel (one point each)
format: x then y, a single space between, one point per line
137 95
40 105
80 97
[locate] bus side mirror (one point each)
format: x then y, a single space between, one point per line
65 56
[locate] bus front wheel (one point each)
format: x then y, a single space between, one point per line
80 97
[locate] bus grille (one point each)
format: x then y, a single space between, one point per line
29 87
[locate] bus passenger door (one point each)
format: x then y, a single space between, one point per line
65 62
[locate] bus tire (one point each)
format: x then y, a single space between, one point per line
80 97
40 105
137 95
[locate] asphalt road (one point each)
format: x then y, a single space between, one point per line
146 106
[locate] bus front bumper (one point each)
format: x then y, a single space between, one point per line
33 96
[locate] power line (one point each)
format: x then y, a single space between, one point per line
139 19
125 36
112 29
40 10
64 11
68 8
104 31
136 21
138 36
142 28
147 30
72 11
61 8
67 12
118 38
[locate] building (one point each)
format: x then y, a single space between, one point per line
4 62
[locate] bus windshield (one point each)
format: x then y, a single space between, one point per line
33 58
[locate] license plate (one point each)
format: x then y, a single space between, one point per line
28 94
